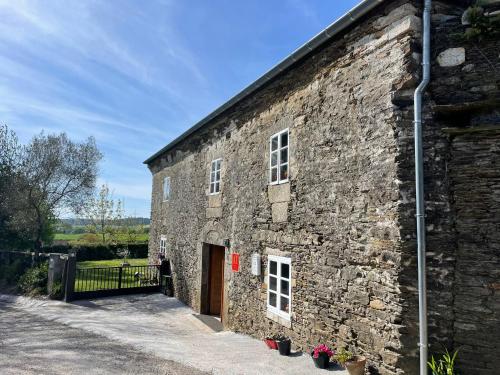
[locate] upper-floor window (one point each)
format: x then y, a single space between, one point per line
163 245
278 160
279 291
215 176
166 188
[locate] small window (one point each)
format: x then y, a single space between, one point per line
279 291
163 245
278 160
166 188
215 176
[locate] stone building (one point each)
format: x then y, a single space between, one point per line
304 183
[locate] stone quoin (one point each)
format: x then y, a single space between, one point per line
316 177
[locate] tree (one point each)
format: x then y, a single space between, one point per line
103 213
10 151
38 181
132 229
56 174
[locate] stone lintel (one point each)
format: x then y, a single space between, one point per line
277 252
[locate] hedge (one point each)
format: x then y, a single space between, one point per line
100 252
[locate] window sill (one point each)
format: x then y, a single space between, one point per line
279 183
286 322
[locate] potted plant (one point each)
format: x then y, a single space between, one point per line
271 342
355 365
284 344
321 356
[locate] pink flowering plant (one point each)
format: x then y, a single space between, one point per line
322 348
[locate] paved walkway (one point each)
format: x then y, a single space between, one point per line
164 327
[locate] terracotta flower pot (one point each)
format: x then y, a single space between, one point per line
271 344
356 365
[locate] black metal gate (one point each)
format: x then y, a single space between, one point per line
112 281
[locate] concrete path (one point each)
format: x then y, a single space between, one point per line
166 328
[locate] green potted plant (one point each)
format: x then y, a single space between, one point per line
355 365
321 356
284 344
343 356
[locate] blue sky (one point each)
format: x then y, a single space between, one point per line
135 74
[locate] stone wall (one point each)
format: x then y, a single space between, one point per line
475 173
346 217
466 99
337 218
460 117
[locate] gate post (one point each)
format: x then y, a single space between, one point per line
70 278
55 274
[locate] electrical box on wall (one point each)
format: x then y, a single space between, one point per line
256 265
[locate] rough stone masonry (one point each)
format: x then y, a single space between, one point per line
345 217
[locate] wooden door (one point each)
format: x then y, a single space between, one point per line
216 280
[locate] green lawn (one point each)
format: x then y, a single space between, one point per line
88 279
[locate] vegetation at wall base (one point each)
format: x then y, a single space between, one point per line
34 281
11 270
57 291
444 364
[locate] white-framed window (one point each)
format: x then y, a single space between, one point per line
163 245
166 188
278 157
215 176
279 290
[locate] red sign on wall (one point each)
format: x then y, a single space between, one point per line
235 262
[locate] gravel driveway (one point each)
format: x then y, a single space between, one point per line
135 334
33 345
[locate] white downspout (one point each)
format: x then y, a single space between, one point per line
419 186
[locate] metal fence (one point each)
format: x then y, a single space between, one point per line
108 281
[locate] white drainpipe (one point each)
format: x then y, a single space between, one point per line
419 185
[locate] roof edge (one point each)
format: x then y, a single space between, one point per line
336 27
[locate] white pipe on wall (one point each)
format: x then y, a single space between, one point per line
419 187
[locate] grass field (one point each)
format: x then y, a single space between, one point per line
111 263
68 236
88 237
88 279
